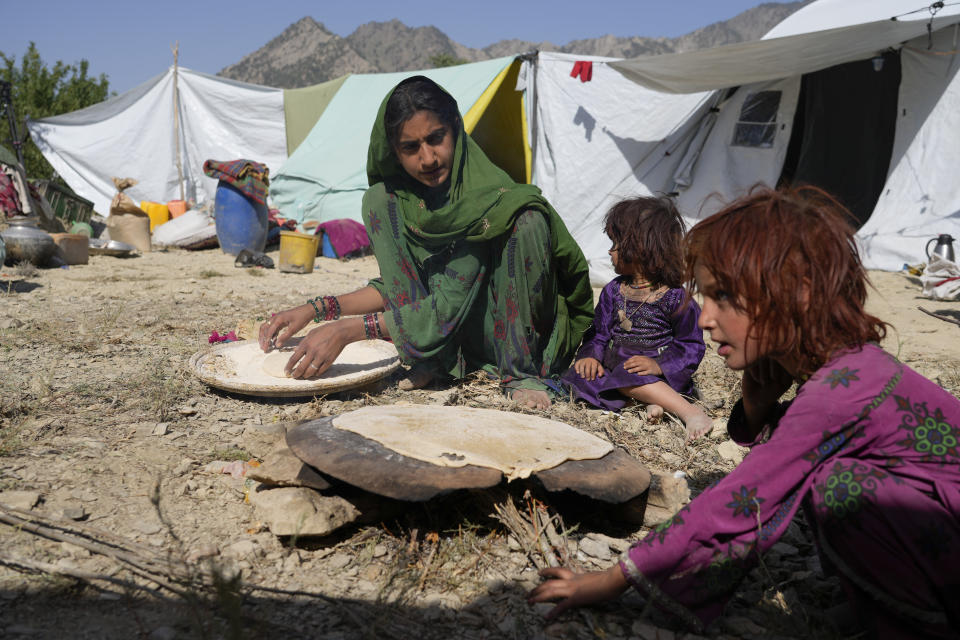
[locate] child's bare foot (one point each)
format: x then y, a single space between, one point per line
416 378
531 398
698 425
654 413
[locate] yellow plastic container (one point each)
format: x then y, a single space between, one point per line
158 212
298 251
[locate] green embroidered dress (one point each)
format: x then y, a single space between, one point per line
480 273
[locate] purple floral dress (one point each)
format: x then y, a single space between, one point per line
665 330
871 450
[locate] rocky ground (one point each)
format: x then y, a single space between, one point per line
102 425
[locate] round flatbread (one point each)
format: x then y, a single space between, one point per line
516 444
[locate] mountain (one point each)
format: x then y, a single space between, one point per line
306 53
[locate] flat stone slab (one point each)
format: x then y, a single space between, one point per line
282 468
373 467
615 478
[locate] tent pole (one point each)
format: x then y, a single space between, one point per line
176 117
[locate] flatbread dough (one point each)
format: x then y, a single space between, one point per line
274 363
515 443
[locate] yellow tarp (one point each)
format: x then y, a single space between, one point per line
497 122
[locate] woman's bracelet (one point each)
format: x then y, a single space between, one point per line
329 308
316 312
371 327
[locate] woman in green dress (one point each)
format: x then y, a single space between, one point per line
476 271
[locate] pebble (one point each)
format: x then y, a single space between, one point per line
731 451
339 560
595 548
24 500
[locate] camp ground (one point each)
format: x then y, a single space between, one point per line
157 481
802 104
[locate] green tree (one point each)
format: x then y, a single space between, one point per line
41 92
445 60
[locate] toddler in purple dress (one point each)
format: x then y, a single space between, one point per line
868 448
644 344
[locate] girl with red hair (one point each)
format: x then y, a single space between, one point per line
868 447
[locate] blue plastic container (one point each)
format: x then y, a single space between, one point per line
327 249
241 223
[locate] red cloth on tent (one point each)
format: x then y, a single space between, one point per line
584 69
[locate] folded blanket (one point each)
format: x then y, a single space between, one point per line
251 178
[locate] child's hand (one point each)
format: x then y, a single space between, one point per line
577 589
588 368
643 366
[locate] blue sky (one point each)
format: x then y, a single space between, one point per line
130 41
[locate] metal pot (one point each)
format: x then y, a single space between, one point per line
24 241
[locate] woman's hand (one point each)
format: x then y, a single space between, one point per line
289 321
588 368
643 366
319 348
577 589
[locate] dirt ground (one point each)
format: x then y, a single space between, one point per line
93 363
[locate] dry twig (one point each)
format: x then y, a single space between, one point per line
939 316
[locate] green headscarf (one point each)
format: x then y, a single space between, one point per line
481 203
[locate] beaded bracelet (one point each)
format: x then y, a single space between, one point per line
331 307
371 327
316 311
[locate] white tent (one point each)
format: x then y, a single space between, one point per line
719 121
132 135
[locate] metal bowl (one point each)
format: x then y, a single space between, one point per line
110 247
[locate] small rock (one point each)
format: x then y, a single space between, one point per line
379 551
187 411
543 608
292 562
185 465
595 548
240 549
365 587
513 545
300 511
144 429
339 560
24 500
667 493
445 396
282 468
73 511
235 430
161 429
730 450
10 323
